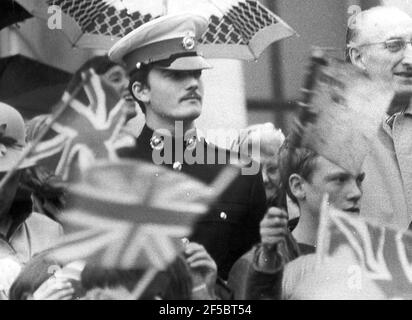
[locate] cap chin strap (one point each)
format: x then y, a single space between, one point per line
166 63
159 51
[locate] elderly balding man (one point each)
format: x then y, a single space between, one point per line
379 42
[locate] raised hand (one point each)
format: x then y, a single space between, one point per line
273 230
54 289
203 269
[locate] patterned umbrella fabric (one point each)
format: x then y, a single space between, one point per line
238 29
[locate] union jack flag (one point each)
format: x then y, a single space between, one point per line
137 222
384 254
87 130
113 243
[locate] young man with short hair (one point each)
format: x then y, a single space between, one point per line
307 178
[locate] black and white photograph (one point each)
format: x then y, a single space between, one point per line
221 151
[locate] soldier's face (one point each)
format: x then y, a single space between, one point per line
175 95
391 61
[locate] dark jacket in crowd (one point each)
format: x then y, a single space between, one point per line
231 227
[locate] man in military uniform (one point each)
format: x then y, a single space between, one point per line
165 68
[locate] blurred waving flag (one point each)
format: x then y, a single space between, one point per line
87 130
133 215
341 109
383 254
238 29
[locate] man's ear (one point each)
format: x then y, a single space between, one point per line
296 185
356 58
141 92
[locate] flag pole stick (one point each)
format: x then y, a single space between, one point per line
49 122
323 233
141 286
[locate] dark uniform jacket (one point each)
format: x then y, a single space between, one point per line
231 227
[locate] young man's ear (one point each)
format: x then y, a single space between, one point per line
356 58
296 183
141 92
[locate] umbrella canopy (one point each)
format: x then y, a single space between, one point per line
11 12
31 86
238 29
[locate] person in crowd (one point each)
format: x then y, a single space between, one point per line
122 197
307 177
115 76
192 276
23 233
116 284
44 278
266 139
46 188
165 70
112 74
378 42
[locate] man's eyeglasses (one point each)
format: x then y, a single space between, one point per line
393 45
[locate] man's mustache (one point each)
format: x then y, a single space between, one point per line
191 95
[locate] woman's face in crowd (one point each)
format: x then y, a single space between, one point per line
117 78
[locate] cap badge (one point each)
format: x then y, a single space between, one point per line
189 43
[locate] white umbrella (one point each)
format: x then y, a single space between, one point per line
238 29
